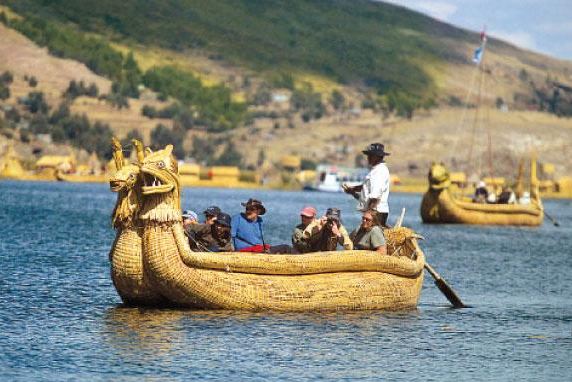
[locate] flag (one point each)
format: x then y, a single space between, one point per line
483 36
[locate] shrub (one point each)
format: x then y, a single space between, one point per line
161 136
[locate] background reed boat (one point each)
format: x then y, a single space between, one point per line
440 206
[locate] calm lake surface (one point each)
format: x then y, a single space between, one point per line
60 318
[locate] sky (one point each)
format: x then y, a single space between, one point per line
543 26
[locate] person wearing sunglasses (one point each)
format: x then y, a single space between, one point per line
369 235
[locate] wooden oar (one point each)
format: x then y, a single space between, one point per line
439 281
554 221
445 288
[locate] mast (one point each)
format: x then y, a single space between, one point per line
534 191
519 186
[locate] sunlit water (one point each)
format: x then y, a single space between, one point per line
60 318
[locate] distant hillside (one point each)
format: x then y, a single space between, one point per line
358 41
209 75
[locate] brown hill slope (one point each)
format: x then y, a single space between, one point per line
338 137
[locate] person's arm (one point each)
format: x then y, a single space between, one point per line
312 229
299 242
378 240
353 191
344 238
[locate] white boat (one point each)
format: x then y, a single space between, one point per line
330 178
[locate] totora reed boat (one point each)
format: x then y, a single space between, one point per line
341 280
440 206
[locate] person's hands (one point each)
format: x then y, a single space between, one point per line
336 230
323 220
347 189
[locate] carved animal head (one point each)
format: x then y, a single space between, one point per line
127 183
161 186
439 178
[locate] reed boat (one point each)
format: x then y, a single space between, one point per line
440 206
341 280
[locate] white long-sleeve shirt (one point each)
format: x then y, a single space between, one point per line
375 186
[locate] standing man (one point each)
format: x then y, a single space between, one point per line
373 194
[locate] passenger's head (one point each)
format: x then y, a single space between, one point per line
222 225
189 217
368 220
333 216
253 208
211 214
307 214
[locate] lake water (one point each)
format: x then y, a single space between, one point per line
60 318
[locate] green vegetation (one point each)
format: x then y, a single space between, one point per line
308 102
161 136
6 79
61 125
212 106
204 151
375 44
77 89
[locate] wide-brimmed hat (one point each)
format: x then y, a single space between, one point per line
212 211
254 203
376 149
334 213
308 211
188 214
223 219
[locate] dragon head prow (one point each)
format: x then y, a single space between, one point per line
125 178
160 172
161 189
127 183
439 177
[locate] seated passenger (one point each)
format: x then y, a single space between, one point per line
507 196
212 238
307 216
369 236
220 233
325 234
211 214
481 193
246 228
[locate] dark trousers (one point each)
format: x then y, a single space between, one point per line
382 218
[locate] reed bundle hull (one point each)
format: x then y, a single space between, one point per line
440 207
127 270
346 280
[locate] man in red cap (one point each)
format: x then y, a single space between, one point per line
300 244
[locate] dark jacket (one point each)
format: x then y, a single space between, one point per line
202 239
